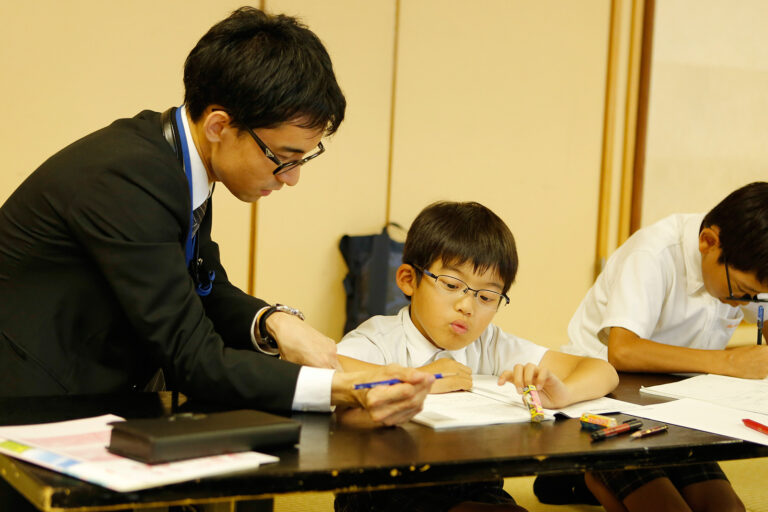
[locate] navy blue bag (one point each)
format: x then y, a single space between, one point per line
372 262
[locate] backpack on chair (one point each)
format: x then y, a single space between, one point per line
372 261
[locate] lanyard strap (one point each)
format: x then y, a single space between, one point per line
191 248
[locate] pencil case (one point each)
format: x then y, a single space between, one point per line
190 435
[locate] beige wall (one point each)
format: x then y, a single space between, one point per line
500 104
503 105
707 129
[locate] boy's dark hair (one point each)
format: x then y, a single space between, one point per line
743 221
458 233
264 70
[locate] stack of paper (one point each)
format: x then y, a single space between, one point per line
78 448
744 394
706 416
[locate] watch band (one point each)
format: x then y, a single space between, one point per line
265 342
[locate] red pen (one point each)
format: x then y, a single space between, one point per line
627 426
755 426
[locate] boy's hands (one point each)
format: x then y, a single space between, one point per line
461 381
749 362
385 404
552 391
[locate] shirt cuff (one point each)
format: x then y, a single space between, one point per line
313 389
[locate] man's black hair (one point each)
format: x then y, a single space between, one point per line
265 70
742 218
457 233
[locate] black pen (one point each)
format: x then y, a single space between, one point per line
760 325
627 426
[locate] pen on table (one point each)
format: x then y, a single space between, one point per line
760 325
627 426
755 426
392 382
649 432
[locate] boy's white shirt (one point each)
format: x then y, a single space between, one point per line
395 339
653 286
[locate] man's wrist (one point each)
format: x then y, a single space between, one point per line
342 390
259 341
264 338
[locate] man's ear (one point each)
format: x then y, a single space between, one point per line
405 277
709 239
215 123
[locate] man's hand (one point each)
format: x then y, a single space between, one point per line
461 381
385 404
300 343
552 391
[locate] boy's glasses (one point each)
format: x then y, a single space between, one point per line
760 297
454 286
284 166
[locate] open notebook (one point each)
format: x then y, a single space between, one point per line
487 403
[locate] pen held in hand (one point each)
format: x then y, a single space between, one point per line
392 382
760 325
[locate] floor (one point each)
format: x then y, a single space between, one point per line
749 478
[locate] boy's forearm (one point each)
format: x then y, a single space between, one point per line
350 364
591 378
642 355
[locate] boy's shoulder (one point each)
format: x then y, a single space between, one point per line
670 238
378 327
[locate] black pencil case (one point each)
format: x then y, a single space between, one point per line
190 435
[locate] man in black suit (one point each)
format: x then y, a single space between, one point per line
106 275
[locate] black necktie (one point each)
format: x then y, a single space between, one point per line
197 216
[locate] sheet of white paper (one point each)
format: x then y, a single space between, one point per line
745 394
78 448
706 416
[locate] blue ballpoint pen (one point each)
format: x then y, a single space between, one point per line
760 325
392 382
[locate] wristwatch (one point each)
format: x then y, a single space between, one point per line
264 341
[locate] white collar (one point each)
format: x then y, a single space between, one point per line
201 188
691 253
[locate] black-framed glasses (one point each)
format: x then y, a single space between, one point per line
760 297
453 285
284 166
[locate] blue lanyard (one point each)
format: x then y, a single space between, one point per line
191 249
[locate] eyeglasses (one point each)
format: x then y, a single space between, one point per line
284 166
760 297
453 285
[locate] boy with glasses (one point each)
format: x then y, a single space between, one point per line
669 300
460 260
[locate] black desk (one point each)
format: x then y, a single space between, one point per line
336 457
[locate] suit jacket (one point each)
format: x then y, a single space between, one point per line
94 291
